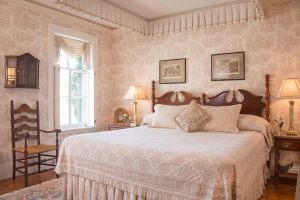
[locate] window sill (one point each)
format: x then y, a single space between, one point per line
75 131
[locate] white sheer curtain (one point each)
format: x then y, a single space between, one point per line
73 47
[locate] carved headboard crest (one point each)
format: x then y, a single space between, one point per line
251 103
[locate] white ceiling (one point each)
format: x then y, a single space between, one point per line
151 9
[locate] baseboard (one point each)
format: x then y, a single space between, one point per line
6 170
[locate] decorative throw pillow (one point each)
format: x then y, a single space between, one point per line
192 117
165 114
224 118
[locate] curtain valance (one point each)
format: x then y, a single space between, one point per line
73 47
235 12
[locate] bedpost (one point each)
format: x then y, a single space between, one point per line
153 95
203 99
267 96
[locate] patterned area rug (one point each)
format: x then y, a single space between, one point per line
48 190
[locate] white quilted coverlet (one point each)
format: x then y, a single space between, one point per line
155 163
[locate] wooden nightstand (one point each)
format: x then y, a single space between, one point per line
117 126
287 143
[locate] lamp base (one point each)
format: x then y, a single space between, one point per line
291 132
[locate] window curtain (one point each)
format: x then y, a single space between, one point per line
74 48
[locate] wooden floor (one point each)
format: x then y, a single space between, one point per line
284 191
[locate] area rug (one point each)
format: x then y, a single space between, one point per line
48 190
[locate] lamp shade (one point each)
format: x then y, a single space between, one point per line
290 89
136 93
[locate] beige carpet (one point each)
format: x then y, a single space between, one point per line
48 190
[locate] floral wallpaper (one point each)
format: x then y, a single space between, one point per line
24 28
127 58
271 46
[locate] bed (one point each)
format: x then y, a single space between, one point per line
158 163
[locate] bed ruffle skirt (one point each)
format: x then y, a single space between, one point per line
79 188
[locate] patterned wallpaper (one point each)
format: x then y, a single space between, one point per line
126 58
24 28
271 46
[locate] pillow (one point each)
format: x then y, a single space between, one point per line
165 114
192 117
258 124
224 118
254 123
147 120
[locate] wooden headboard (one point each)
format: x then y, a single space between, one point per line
251 103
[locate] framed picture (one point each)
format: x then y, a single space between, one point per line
172 71
121 115
228 66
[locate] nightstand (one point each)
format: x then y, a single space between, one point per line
117 126
287 143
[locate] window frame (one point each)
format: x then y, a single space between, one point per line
53 85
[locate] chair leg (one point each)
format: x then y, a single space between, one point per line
14 164
26 168
39 163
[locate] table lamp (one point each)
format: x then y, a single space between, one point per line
135 93
290 89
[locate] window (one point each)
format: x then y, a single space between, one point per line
76 92
74 84
71 71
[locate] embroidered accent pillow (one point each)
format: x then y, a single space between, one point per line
192 117
165 114
224 118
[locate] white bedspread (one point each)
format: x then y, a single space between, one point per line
168 163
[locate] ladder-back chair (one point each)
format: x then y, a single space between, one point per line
24 120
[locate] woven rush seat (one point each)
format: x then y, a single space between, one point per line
36 149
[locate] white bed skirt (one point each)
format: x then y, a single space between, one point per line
79 188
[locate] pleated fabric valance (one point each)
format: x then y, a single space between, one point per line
102 11
72 47
204 18
235 12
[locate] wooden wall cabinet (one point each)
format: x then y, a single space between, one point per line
21 71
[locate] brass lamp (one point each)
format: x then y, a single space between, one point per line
290 89
135 93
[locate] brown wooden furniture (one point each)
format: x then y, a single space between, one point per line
117 126
24 120
287 143
21 71
251 104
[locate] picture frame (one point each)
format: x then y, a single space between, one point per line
120 115
172 71
228 66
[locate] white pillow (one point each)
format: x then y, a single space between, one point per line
224 118
164 116
254 123
258 124
147 120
